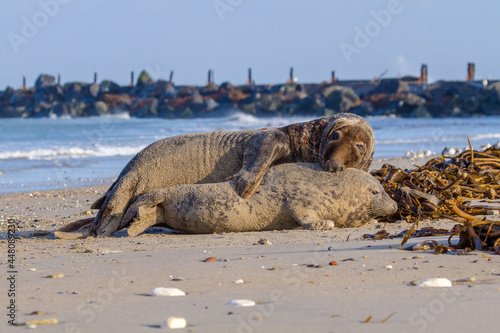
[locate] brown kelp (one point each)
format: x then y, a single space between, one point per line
458 188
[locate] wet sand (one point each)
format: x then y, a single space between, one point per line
107 281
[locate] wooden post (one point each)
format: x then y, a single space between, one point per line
23 87
132 78
249 81
210 77
423 74
171 77
290 79
470 71
332 78
95 77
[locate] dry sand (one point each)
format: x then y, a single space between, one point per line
107 281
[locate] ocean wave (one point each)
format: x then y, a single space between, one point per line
441 139
70 152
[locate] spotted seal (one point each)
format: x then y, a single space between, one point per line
340 141
291 195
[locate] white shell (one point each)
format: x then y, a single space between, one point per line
435 282
160 291
241 302
239 281
174 323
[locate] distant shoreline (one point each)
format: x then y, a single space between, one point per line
408 97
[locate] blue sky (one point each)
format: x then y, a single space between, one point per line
78 37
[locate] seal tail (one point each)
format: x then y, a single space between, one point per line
110 214
99 202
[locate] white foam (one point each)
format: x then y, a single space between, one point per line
70 152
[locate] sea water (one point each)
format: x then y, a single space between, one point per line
41 154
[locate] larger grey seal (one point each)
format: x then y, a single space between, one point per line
340 141
291 195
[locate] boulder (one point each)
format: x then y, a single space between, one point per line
391 86
144 79
109 87
44 80
340 99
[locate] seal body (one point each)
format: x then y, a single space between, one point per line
291 195
341 141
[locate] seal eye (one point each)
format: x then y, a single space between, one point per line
360 146
375 192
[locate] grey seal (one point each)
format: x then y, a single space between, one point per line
340 141
290 196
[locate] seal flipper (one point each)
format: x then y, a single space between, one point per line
109 217
99 202
145 217
75 230
309 219
262 150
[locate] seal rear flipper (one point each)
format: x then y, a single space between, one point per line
75 230
98 203
142 218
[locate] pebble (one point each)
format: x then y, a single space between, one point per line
434 282
160 291
178 279
210 259
333 263
55 276
493 212
241 302
174 323
388 266
466 280
33 269
424 246
239 281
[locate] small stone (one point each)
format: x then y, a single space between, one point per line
174 323
239 281
388 266
160 291
33 269
466 280
178 279
263 241
333 263
241 302
55 276
210 259
493 212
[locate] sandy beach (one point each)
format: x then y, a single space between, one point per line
107 282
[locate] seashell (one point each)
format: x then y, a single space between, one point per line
241 302
174 323
160 291
434 282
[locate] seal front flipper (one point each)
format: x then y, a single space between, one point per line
262 150
309 219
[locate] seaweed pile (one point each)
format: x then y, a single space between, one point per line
459 188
